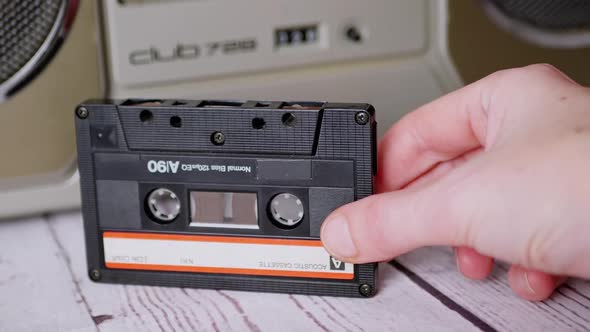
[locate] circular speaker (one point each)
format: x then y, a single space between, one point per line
548 14
561 24
31 32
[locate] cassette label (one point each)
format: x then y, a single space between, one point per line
222 255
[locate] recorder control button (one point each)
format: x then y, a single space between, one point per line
164 205
287 209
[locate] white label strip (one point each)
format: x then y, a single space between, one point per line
205 254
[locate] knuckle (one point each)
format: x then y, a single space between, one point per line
543 72
501 75
463 216
379 236
551 249
532 73
384 235
373 213
373 241
398 139
537 250
542 69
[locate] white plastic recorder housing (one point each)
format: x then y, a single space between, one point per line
392 54
389 53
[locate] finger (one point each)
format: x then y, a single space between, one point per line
439 131
472 264
442 169
533 285
383 226
459 122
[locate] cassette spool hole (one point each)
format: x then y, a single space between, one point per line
258 123
286 210
146 116
163 205
176 121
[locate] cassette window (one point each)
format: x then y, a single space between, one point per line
224 210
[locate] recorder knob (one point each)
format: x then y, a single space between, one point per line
164 205
287 209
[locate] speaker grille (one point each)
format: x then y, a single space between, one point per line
548 14
24 27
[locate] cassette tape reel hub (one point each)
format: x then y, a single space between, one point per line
164 205
287 210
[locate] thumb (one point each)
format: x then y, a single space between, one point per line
384 226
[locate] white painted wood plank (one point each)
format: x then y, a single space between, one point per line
36 290
493 301
400 306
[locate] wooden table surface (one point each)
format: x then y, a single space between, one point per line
44 287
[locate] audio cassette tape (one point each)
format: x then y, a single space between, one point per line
223 194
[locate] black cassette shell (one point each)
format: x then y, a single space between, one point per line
322 153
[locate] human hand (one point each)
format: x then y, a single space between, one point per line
498 169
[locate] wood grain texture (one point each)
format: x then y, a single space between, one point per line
36 291
400 306
44 287
493 301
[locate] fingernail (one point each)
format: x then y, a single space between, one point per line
336 237
528 283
